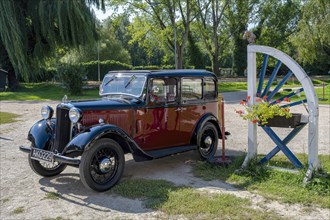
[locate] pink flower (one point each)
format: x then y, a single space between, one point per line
286 99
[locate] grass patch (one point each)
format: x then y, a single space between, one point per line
152 192
232 86
242 86
318 91
5 200
44 91
180 200
52 196
6 117
274 184
18 210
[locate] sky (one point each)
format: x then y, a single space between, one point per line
100 15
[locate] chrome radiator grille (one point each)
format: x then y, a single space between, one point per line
63 128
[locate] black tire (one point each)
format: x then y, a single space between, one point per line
91 172
208 133
46 169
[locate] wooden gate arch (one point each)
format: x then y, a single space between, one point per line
307 87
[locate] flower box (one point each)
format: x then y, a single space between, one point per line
283 122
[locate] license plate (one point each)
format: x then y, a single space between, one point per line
42 155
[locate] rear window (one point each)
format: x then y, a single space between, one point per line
191 89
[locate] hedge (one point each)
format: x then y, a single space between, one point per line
105 66
91 69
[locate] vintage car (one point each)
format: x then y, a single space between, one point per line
150 114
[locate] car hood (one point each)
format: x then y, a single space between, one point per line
104 104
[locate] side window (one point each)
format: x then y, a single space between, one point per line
163 91
191 89
210 90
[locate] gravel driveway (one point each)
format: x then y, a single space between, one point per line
23 189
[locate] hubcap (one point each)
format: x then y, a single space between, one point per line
208 141
105 165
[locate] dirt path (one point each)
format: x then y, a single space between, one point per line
21 188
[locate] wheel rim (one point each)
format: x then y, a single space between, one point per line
104 165
207 142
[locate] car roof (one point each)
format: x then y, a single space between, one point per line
162 73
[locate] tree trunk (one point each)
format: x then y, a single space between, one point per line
215 55
215 65
12 81
179 57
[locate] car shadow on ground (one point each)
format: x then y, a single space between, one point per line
176 169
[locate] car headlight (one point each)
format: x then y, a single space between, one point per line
75 115
47 112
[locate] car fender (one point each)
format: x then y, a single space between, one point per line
85 140
41 133
206 118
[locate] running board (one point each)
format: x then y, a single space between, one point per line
169 151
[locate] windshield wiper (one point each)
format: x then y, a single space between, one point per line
131 80
110 80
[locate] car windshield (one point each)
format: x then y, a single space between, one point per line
123 84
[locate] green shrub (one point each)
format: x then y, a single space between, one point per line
147 67
72 77
168 67
209 68
105 66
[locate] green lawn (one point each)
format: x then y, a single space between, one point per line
44 91
232 86
241 86
273 183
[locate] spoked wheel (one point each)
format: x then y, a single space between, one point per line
102 165
207 141
273 96
46 169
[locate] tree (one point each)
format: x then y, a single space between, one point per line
108 47
276 22
195 55
312 40
238 17
31 30
169 20
209 17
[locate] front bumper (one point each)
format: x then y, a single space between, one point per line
57 157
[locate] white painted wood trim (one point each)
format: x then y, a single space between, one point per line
309 90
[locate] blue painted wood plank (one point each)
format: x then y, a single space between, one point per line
288 96
262 74
271 78
283 81
294 160
294 103
285 141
